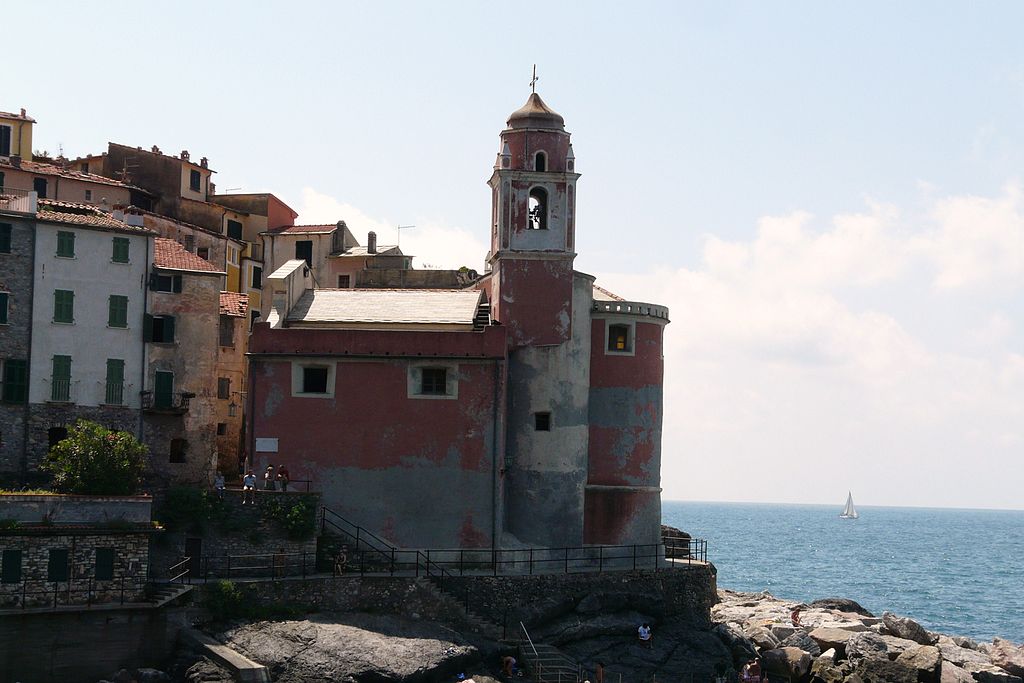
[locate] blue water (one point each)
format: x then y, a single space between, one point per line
956 571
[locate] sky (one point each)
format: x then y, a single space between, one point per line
828 196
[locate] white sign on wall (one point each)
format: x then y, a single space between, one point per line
266 445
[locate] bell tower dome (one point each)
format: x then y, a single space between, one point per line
533 223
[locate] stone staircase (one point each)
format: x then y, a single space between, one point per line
479 625
160 594
547 664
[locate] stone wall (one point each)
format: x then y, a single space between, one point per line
34 508
44 416
16 280
131 564
56 647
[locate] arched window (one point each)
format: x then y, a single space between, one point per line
540 162
538 218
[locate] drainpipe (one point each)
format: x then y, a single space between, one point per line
494 465
145 310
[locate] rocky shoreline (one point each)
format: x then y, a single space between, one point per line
838 641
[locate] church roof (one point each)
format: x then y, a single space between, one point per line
536 114
387 306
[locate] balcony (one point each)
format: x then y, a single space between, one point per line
113 394
62 390
18 201
166 403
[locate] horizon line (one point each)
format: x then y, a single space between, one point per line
839 506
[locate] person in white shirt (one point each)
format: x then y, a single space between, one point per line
644 633
249 488
218 485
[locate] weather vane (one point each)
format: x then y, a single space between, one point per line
533 81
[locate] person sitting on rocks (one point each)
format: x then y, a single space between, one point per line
645 636
249 488
508 665
795 616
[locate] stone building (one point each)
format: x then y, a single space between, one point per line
182 388
88 308
231 374
73 550
522 411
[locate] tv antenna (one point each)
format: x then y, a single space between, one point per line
400 228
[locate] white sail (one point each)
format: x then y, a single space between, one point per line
849 512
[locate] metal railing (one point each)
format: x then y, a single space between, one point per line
60 389
78 592
113 394
378 550
176 402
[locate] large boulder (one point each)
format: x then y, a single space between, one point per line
824 669
841 605
761 637
835 638
1007 656
742 649
962 656
907 628
870 645
884 671
926 660
801 640
787 661
782 631
954 674
993 674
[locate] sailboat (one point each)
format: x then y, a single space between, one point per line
849 512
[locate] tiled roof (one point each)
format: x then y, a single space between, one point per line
387 306
84 215
602 294
38 168
309 229
20 117
233 303
170 255
389 250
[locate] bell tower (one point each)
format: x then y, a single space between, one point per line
533 223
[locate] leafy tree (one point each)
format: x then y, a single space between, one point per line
97 461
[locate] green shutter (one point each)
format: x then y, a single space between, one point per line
4 300
12 566
63 306
115 382
104 564
65 244
168 328
121 246
57 569
5 237
60 383
163 393
147 327
15 389
176 284
118 311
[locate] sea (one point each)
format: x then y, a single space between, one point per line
957 572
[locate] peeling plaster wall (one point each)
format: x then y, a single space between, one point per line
536 300
547 470
623 499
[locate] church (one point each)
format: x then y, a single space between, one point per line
522 410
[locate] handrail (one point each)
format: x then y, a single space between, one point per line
529 640
184 568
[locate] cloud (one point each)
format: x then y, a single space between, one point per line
819 356
434 244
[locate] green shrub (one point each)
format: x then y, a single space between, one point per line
224 600
296 517
94 460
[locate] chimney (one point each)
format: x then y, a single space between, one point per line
154 150
15 160
23 114
184 155
340 225
371 242
204 162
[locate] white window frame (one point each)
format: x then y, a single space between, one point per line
631 336
297 368
414 380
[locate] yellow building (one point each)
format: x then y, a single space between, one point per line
16 135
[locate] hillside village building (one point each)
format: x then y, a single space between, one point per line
523 410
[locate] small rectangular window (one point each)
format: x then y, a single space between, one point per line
434 381
114 395
159 329
227 330
618 338
39 185
304 250
15 386
63 306
65 244
11 566
542 422
344 281
5 237
4 303
60 381
222 428
314 380
57 567
158 282
195 180
233 255
203 253
117 311
178 449
121 247
257 277
104 564
224 387
234 230
88 195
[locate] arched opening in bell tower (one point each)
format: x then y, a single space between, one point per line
540 162
538 215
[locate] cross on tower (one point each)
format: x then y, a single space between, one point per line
533 81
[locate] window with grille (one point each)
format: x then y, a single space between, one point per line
114 394
60 380
117 313
434 381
